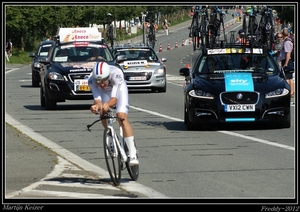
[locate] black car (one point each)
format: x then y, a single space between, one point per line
41 52
142 68
235 85
65 72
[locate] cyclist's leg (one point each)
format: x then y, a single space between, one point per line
122 111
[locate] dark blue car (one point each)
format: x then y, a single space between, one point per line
235 85
41 52
65 72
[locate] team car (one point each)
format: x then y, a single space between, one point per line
41 51
65 72
142 68
235 85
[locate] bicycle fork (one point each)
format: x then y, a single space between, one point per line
119 145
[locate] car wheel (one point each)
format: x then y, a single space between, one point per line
162 90
188 123
285 124
49 104
42 97
34 82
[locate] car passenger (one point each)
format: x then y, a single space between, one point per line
211 64
62 53
95 55
142 55
109 89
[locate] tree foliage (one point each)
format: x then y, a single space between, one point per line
286 14
28 25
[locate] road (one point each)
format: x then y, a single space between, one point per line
211 165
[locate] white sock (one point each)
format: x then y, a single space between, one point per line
131 147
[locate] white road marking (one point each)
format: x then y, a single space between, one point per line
65 157
225 132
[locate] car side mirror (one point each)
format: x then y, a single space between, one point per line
184 72
31 54
121 58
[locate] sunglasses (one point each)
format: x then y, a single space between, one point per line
279 37
101 81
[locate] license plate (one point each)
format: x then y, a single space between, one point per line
81 85
83 88
137 78
239 108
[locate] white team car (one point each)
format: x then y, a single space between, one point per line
142 68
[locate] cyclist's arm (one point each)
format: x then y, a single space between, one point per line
96 95
97 106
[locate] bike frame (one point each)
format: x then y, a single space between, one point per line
118 142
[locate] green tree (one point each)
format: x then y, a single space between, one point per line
286 14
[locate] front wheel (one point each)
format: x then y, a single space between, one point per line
112 157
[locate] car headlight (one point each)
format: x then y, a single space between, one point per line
278 92
55 76
37 65
201 94
159 71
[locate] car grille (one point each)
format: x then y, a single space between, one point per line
77 76
239 97
138 74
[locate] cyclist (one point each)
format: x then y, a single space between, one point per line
109 89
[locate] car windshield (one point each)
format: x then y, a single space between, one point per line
137 54
44 50
222 63
81 53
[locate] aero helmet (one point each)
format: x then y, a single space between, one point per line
101 71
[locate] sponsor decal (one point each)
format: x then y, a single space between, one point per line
135 63
234 50
239 82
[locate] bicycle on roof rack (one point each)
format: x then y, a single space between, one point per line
111 31
204 28
150 30
253 35
266 27
195 29
216 24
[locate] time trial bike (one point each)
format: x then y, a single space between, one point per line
116 152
